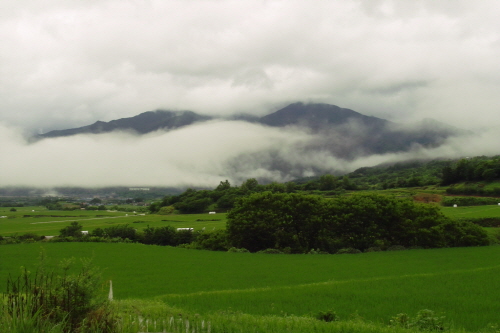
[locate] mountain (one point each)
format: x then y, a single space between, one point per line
143 123
341 132
318 116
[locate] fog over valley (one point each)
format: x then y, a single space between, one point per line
199 155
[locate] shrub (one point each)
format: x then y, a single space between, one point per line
348 250
271 251
396 248
317 251
373 249
236 250
72 230
29 235
211 240
425 320
58 297
123 231
327 316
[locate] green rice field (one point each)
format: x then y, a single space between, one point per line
472 211
460 283
41 221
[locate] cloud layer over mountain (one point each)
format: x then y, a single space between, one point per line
199 155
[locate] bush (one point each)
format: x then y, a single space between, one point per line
373 249
396 248
123 231
327 316
30 235
236 250
55 299
425 320
271 251
469 201
348 250
72 230
211 240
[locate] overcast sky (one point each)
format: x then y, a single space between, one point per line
69 63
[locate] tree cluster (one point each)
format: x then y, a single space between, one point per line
224 196
296 223
478 168
166 235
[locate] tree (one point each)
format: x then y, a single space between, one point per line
160 236
223 186
299 223
250 185
327 182
72 230
275 220
95 201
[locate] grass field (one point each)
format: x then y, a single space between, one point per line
472 211
460 283
41 221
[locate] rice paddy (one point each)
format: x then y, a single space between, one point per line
43 222
460 283
271 293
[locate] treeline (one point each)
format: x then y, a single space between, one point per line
224 196
480 168
295 223
401 174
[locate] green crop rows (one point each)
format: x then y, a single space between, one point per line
48 223
460 283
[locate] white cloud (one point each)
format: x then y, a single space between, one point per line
70 63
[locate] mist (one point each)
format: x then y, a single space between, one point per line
200 155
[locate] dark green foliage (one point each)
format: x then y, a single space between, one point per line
468 201
349 250
29 235
215 240
123 231
276 220
73 230
425 320
327 316
160 236
402 174
95 201
472 169
474 189
59 297
236 250
271 251
299 223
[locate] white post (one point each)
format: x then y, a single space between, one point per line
110 297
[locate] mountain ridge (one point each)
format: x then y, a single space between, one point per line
340 131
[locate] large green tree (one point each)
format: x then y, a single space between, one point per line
276 220
300 223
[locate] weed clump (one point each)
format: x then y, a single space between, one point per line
425 320
70 302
